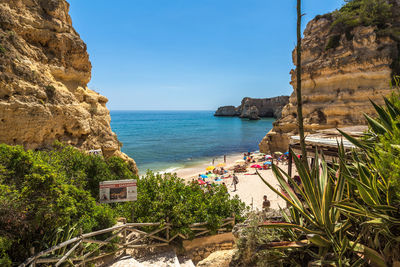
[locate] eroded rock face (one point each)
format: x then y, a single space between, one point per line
337 83
226 111
254 108
44 71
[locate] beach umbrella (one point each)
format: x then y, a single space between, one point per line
210 168
255 166
221 165
211 175
201 181
268 156
218 180
240 161
278 153
286 153
203 176
267 163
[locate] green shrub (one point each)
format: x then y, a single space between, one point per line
362 13
50 91
167 196
253 239
44 193
333 42
5 244
47 196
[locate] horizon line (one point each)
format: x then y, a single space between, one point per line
162 109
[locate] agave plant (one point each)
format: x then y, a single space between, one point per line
315 212
375 174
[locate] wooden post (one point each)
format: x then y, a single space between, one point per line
124 240
290 163
234 219
167 229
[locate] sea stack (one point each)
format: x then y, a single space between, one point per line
255 108
44 72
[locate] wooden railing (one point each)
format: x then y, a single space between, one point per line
125 236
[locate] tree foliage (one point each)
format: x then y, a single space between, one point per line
47 196
167 197
362 13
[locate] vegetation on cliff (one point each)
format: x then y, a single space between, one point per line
47 196
354 13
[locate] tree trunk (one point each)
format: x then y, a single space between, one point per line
298 87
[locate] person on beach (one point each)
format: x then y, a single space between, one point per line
224 158
266 204
226 188
235 181
213 162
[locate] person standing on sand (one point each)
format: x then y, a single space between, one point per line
213 162
226 188
266 203
224 158
235 181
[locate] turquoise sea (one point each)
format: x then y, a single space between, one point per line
167 140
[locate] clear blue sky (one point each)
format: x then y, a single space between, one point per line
190 54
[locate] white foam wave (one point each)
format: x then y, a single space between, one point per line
169 170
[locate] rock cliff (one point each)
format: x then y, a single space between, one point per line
44 72
340 73
254 108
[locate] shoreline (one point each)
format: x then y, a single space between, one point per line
194 168
250 188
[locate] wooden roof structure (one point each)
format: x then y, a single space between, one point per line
325 142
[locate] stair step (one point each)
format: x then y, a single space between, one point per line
127 261
164 259
187 263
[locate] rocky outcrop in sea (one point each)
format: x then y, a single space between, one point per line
44 72
255 108
341 72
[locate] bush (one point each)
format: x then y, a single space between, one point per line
43 193
46 197
167 196
2 49
333 42
251 246
362 13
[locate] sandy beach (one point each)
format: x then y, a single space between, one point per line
250 188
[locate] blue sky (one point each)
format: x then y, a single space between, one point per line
190 54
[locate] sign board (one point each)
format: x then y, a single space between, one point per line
118 191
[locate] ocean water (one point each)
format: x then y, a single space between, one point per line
167 140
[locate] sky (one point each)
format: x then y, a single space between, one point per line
190 54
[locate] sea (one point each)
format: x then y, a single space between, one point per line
164 141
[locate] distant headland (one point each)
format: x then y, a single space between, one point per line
255 108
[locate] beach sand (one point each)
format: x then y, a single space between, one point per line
193 172
250 188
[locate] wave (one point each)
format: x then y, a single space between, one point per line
170 170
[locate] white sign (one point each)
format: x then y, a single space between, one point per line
118 191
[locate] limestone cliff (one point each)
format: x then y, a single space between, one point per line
44 72
254 108
340 73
